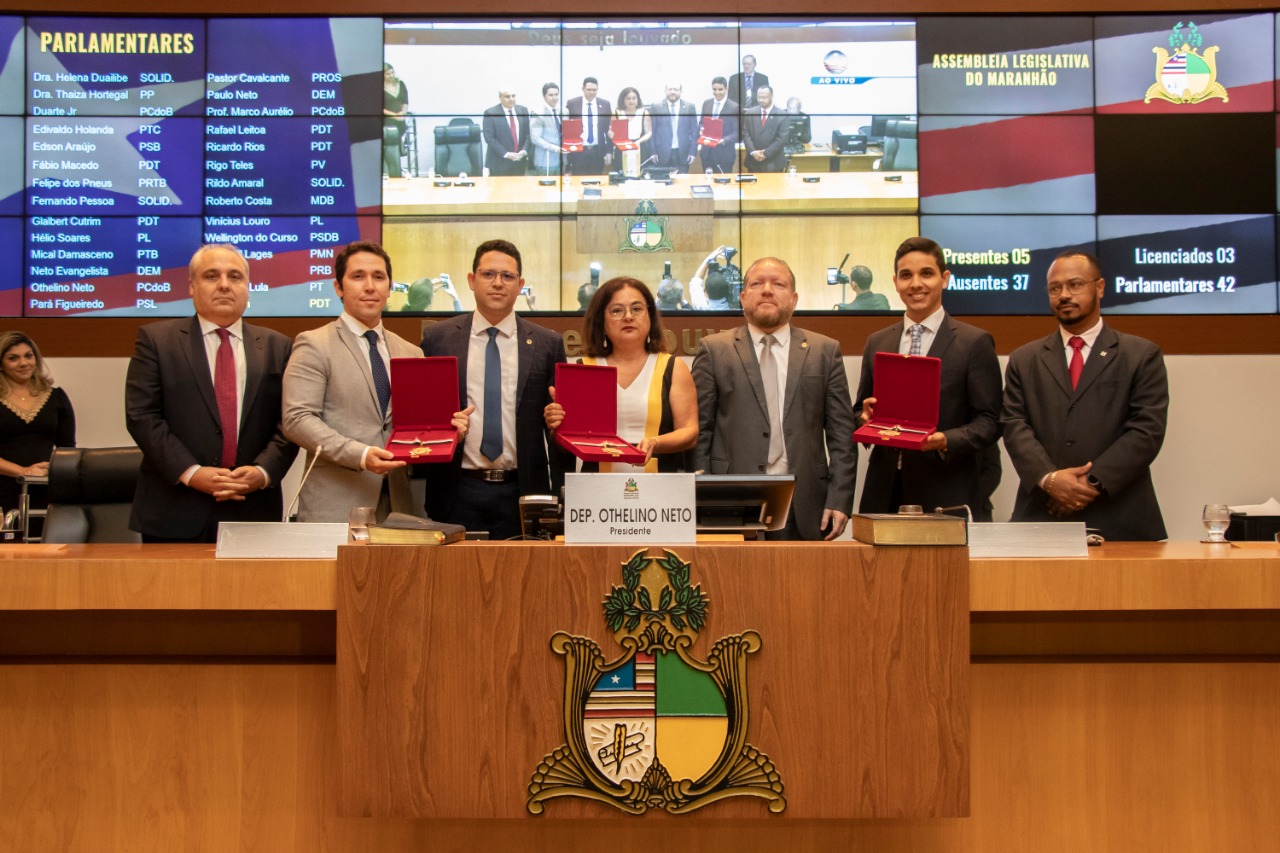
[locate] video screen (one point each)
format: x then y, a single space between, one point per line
996 164
675 151
1169 63
998 263
1005 66
1188 264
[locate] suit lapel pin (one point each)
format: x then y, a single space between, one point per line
1102 354
804 345
529 341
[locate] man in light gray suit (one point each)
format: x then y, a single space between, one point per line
544 132
337 396
743 374
1085 412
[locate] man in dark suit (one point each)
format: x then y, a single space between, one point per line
947 470
503 154
722 158
744 86
675 130
1085 412
773 399
505 366
764 135
202 400
596 114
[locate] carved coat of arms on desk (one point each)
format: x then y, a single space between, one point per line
656 728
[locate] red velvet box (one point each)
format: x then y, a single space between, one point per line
712 132
571 134
424 396
906 389
589 395
622 134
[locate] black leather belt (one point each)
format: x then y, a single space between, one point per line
491 475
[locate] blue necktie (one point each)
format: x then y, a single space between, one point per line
917 331
381 382
591 125
491 439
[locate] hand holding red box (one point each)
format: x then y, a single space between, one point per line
907 390
424 399
712 132
571 135
588 393
621 133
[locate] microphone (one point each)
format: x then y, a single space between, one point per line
842 263
315 457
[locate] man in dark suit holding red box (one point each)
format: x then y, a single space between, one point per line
946 470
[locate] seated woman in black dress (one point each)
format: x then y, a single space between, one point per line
35 417
657 402
395 106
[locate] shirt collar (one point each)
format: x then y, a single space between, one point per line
1090 335
782 335
358 329
506 326
207 326
933 322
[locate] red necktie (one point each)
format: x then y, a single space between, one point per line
764 115
1077 360
224 389
515 140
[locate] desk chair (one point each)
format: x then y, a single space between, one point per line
91 494
458 148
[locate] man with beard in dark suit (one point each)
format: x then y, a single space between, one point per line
764 135
1085 413
202 400
675 130
505 155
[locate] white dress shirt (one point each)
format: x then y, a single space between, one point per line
509 352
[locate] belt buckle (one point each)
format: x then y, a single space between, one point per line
495 475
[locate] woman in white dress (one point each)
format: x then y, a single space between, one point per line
657 402
639 129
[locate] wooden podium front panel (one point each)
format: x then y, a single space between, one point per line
449 694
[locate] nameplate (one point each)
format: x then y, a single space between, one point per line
1028 539
263 539
645 509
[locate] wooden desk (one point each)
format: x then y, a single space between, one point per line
214 751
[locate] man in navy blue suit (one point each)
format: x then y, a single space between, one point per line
675 130
503 154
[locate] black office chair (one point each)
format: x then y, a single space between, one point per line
91 494
900 147
458 148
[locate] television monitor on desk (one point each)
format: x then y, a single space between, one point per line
730 503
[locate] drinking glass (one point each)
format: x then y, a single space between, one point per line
358 521
1217 518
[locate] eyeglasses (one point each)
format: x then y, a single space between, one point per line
635 309
487 276
1074 287
758 284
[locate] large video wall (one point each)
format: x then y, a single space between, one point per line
1150 140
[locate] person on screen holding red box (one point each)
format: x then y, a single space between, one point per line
596 113
946 471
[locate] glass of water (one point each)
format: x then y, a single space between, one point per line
1217 518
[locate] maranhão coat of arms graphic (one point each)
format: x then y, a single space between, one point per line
1186 76
655 727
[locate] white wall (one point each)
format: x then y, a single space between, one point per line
1220 447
